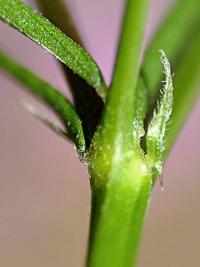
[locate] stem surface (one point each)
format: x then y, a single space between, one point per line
119 112
120 173
118 210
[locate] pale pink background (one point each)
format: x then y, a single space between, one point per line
44 190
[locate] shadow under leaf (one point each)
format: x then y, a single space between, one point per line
87 103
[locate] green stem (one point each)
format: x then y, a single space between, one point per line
120 173
118 210
118 116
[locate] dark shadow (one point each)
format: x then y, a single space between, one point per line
87 103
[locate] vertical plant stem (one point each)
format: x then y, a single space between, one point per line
120 176
118 211
118 116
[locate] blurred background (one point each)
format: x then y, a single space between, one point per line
44 190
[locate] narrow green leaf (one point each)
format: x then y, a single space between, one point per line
49 95
87 102
186 89
43 32
45 120
173 36
59 14
156 134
